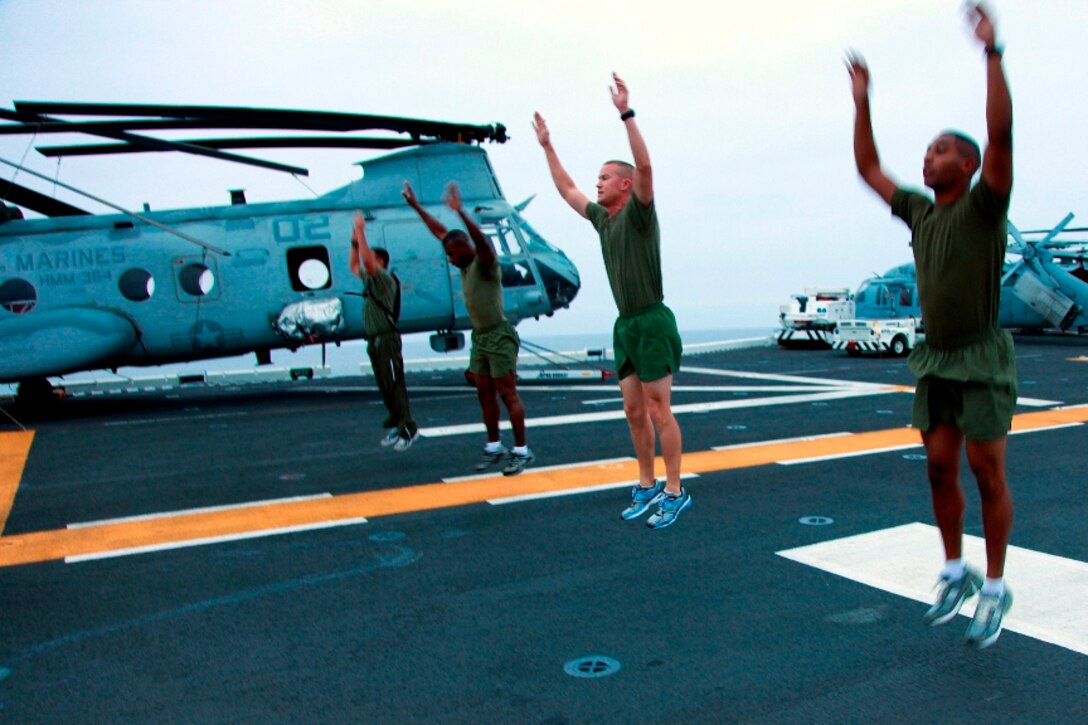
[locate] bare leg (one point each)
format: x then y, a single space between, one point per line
987 461
658 397
642 429
943 443
507 386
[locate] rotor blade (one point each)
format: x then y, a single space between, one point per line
1061 243
111 205
1058 229
162 145
1015 233
521 207
34 201
93 127
279 118
1044 231
227 143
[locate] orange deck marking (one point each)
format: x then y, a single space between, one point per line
14 449
122 535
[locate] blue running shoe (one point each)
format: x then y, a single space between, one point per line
986 624
642 499
390 438
517 462
669 507
951 594
490 458
405 441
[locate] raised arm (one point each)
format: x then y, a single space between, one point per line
642 184
865 155
997 159
485 252
438 229
362 256
563 182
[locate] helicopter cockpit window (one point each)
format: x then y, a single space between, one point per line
137 285
905 297
516 271
18 296
859 296
503 237
309 267
533 241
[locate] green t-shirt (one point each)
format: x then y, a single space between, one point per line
379 288
631 246
959 252
482 287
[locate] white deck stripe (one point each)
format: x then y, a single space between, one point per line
211 540
777 441
768 388
599 416
1048 591
780 378
1048 427
1037 402
205 509
871 451
557 467
182 418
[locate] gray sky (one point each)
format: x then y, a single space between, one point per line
745 107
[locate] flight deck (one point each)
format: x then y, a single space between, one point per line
249 553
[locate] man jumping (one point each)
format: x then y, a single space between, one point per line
645 337
966 368
383 343
494 355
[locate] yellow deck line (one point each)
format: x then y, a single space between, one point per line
106 537
14 449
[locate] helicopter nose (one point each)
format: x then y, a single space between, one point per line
560 279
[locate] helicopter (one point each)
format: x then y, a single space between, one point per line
82 291
1044 286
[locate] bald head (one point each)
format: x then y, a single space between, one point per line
614 184
621 169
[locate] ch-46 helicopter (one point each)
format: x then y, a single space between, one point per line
85 292
1044 286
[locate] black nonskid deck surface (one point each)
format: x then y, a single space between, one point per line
544 610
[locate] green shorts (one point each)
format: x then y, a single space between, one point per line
495 351
972 387
647 343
